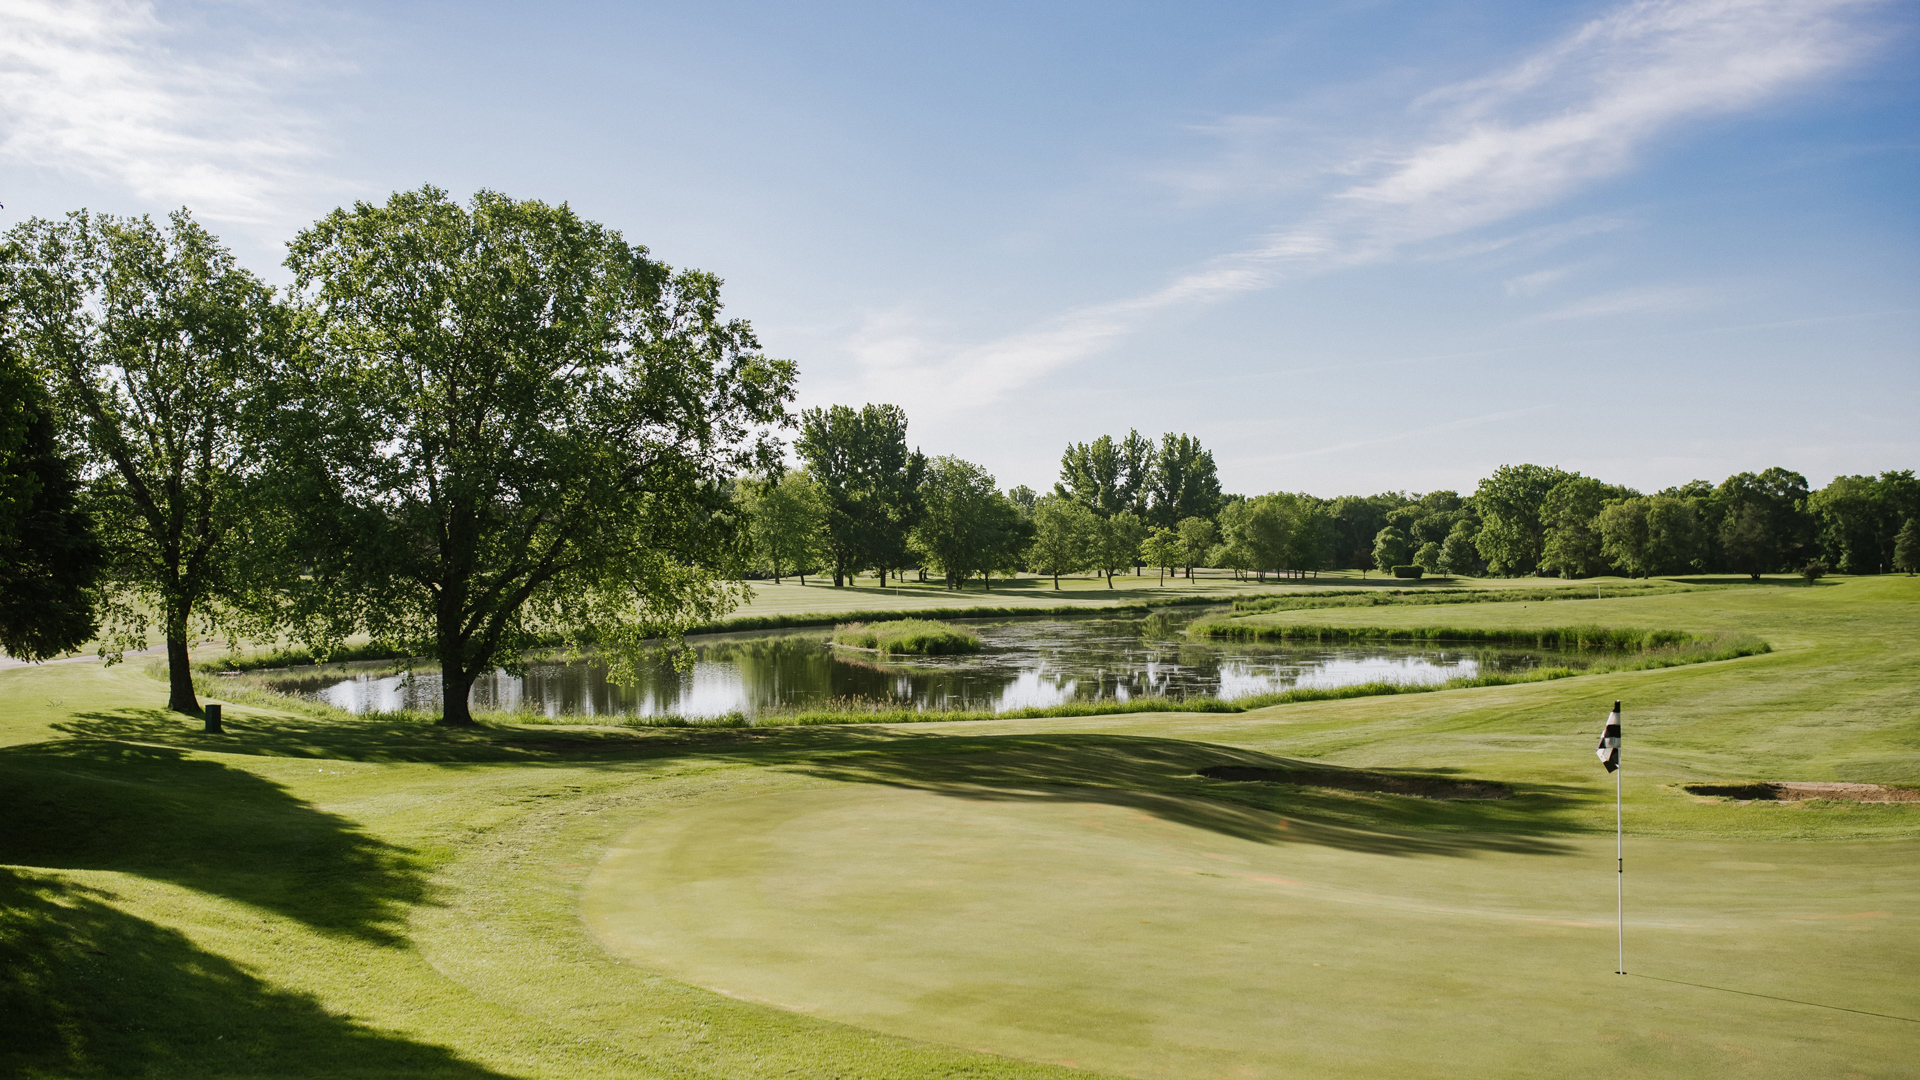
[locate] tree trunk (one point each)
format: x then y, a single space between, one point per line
1056 581
839 570
1109 579
180 696
883 576
455 687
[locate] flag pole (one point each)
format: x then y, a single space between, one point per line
1620 875
1619 850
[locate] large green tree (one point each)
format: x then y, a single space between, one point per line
1065 535
1389 550
1108 476
517 425
157 345
871 482
1512 534
1570 512
50 559
1184 482
1764 523
1116 544
1856 519
785 517
1198 535
966 526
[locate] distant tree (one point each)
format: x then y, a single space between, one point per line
1856 519
1747 543
1764 524
1184 481
1428 557
1065 535
1389 550
1356 521
961 530
1311 547
1512 532
1108 476
1197 537
156 343
1009 535
1624 536
1162 548
1117 541
785 518
1570 512
50 559
871 482
1457 553
1675 543
1023 497
1266 533
525 426
1906 548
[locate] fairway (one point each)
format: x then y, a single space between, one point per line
1129 936
321 895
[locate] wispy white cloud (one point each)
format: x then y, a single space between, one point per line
95 88
1629 302
1532 284
1516 141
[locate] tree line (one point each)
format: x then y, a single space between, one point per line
1129 503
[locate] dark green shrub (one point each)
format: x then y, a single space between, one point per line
1408 571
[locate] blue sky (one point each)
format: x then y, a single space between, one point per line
1352 246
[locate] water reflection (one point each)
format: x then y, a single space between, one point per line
1023 664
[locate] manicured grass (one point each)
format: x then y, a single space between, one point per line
324 897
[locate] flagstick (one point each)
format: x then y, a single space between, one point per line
1620 877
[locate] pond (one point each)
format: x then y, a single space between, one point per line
1023 663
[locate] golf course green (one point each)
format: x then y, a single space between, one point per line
1144 895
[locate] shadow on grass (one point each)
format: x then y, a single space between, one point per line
1157 776
375 740
154 811
87 990
1160 777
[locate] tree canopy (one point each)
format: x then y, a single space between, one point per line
519 425
871 482
50 559
157 345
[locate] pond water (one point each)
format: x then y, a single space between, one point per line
1023 663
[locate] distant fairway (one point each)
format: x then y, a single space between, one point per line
318 895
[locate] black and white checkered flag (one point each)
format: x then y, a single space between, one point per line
1609 750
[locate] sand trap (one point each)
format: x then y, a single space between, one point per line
1425 787
1791 791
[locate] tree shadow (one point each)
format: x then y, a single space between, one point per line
384 740
155 811
1161 777
90 991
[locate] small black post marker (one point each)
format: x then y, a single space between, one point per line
212 713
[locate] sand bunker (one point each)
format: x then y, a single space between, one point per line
1425 787
1789 791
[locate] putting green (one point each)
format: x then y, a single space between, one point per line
1084 928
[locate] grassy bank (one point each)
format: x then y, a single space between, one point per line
1636 639
912 637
